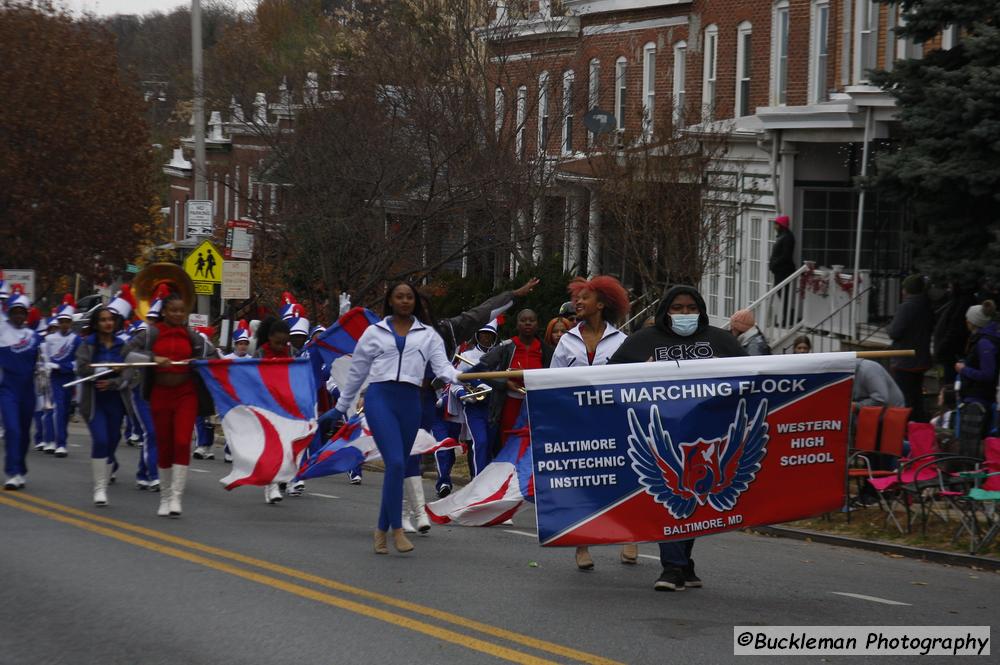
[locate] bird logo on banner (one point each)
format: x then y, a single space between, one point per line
687 475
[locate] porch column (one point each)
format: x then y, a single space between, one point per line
594 235
536 229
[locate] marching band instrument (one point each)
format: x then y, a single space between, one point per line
474 394
146 282
92 377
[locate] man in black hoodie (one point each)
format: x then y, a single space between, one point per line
681 332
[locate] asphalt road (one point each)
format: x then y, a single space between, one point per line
238 581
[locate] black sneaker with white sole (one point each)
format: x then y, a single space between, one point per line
671 579
690 579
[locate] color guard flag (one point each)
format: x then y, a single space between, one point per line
268 411
671 450
331 350
500 491
354 444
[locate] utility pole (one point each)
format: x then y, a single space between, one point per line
200 182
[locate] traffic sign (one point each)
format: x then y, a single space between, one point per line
599 122
199 218
24 278
204 264
235 280
239 241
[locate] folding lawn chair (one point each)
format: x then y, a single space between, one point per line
982 498
877 431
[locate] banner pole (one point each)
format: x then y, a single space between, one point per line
518 373
139 364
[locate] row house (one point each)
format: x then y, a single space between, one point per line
787 80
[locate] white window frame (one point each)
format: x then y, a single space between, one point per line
521 111
819 51
781 28
680 81
710 71
498 110
543 112
744 70
567 112
593 91
648 88
865 38
621 91
907 49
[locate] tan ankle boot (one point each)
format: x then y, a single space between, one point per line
583 559
630 554
401 542
380 546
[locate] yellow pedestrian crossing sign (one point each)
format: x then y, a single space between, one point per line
204 264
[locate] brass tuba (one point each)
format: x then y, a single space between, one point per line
147 281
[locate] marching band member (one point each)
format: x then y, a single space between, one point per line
102 400
272 342
298 334
241 349
173 392
681 324
60 348
19 352
147 476
45 437
393 355
599 302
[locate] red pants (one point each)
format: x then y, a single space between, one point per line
174 412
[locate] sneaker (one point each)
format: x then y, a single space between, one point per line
50 448
134 440
61 451
690 579
154 486
227 457
209 453
142 485
355 479
199 453
296 488
40 446
13 483
671 579
444 490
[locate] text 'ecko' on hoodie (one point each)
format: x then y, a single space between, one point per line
660 342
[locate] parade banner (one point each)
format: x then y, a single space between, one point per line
672 450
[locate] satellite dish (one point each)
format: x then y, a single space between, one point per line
599 122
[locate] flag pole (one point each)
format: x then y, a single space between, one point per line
519 373
138 364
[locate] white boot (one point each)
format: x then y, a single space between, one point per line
177 489
272 494
165 493
407 523
99 467
414 490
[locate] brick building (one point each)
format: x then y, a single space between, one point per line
788 79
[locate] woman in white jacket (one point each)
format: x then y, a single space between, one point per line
392 356
598 302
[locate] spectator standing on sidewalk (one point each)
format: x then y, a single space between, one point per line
911 329
750 337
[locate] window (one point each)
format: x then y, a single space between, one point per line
567 112
755 262
711 70
498 110
680 76
593 92
744 58
907 49
866 31
543 111
620 92
522 119
648 88
819 52
779 57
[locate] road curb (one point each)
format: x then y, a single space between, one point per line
934 556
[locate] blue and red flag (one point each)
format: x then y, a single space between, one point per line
268 412
498 492
338 341
353 444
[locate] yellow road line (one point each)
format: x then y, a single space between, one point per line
444 634
447 617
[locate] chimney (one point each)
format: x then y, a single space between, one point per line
260 109
215 126
235 111
311 90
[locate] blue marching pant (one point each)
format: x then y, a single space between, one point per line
58 416
206 433
477 418
144 419
43 426
676 553
444 459
393 413
106 425
17 403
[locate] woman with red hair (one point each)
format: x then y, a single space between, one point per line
600 303
556 328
